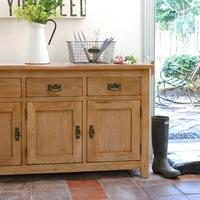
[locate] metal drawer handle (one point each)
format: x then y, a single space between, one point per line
77 132
91 131
17 134
114 86
54 87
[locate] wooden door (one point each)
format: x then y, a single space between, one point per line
113 131
10 134
53 132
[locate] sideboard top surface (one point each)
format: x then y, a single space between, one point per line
74 67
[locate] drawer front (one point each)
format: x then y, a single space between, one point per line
127 86
43 87
10 88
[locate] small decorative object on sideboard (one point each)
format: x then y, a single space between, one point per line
124 60
118 59
83 51
130 59
38 14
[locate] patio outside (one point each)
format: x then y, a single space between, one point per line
178 33
184 123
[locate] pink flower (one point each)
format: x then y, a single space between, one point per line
118 59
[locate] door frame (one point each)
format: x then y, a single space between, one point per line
149 42
149 30
149 7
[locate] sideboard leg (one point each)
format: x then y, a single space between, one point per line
144 171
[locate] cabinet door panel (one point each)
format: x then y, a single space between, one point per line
51 132
116 131
10 120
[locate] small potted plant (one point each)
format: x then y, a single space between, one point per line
38 13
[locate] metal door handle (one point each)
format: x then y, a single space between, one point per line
17 134
114 86
54 87
91 131
77 132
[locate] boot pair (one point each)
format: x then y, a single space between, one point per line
185 166
160 131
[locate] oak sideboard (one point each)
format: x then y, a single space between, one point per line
74 117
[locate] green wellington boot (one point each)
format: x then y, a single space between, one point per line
160 131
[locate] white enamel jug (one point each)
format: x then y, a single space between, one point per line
37 52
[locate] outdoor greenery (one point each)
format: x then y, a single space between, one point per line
173 65
169 11
38 11
178 16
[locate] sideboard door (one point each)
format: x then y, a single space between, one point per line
113 131
54 132
10 134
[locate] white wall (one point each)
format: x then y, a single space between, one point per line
119 18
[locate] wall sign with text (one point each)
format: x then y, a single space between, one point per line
68 9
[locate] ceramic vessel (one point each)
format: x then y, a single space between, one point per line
37 52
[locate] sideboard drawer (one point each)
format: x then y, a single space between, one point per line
10 87
127 86
45 87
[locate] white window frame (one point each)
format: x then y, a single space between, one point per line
149 31
149 42
149 51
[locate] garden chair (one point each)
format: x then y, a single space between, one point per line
184 83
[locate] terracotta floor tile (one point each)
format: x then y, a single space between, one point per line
147 183
49 185
153 179
86 186
88 194
179 197
75 184
15 196
189 187
133 198
17 186
188 177
193 197
152 176
118 182
61 195
161 190
125 192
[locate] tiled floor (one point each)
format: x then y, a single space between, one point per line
117 185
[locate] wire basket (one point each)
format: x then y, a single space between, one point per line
90 51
